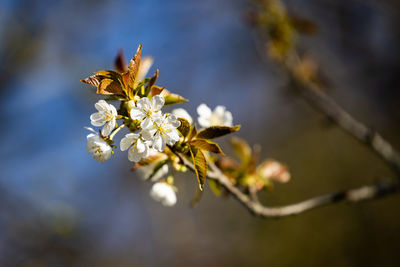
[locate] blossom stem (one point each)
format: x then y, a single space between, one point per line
117 130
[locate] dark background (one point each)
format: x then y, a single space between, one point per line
59 207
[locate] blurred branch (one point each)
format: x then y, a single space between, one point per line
281 46
279 34
317 97
362 193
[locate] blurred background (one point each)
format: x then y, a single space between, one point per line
59 207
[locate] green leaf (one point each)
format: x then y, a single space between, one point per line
172 99
200 165
217 131
193 132
215 187
151 83
241 149
207 146
184 128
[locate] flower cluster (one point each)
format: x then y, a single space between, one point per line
158 142
156 129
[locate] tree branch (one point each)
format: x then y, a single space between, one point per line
317 98
363 193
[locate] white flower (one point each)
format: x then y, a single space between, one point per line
99 147
138 149
163 132
182 113
147 110
106 115
164 193
220 116
148 171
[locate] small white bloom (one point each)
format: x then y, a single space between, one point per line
138 148
163 132
148 170
99 147
164 193
219 117
147 110
182 113
106 115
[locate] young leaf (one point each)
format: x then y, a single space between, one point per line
120 62
200 165
217 131
207 146
241 149
93 80
193 132
110 87
155 90
151 83
215 187
134 65
108 82
184 128
172 99
129 77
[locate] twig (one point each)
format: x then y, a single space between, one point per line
354 195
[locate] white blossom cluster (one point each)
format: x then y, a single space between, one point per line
218 117
156 131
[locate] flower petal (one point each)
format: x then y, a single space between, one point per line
148 134
143 103
173 121
227 119
101 105
146 123
127 141
204 122
133 155
219 111
97 123
182 113
173 137
108 127
137 114
96 116
140 146
204 111
159 143
157 102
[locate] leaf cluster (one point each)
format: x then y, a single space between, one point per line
127 82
